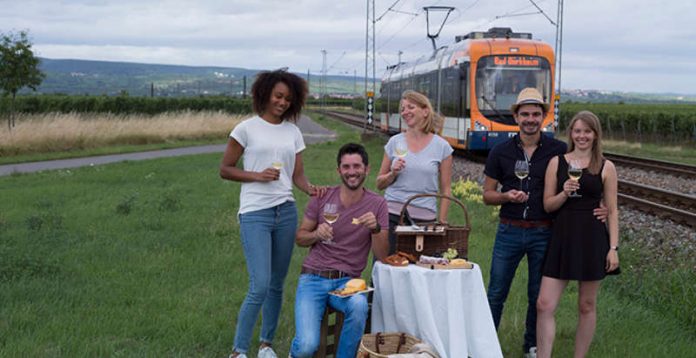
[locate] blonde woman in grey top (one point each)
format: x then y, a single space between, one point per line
416 161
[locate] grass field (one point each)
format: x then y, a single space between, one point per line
57 136
143 259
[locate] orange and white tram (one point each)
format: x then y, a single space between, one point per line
473 83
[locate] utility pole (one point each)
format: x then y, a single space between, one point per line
559 57
323 78
369 61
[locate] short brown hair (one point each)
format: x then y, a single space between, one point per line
263 87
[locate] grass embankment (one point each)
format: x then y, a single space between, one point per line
57 136
142 259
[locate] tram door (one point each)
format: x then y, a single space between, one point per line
464 123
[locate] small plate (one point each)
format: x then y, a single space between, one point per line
339 294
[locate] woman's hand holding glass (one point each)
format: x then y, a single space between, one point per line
574 173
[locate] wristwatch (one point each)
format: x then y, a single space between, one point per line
377 229
615 248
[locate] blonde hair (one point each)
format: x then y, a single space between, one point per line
433 121
592 121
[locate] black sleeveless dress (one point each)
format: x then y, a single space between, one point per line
579 243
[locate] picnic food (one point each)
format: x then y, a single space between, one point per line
450 254
433 260
355 221
354 285
396 260
409 257
460 263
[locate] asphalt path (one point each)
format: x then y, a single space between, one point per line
311 132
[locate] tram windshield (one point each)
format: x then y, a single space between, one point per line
500 78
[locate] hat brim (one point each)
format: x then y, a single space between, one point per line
514 107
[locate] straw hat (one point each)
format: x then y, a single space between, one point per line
529 95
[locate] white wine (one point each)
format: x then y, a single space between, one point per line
575 173
277 165
400 152
521 174
330 217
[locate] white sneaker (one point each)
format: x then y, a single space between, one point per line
267 352
531 353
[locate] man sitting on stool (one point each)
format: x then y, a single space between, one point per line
338 252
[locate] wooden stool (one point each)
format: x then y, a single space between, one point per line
331 325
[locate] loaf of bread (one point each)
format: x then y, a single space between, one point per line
354 285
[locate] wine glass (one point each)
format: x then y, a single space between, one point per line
521 170
574 172
277 162
401 149
330 214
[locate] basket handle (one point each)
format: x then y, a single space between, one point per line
402 341
405 207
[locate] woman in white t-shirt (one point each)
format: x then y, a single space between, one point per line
416 161
272 147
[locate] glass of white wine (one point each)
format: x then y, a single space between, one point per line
330 214
277 162
574 172
521 170
401 149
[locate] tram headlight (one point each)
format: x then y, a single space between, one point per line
480 127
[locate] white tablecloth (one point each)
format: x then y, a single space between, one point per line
446 308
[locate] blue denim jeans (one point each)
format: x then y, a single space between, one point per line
268 237
310 303
511 244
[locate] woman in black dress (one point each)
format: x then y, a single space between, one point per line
582 248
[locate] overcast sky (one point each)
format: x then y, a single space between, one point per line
622 45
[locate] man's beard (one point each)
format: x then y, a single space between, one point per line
526 129
353 187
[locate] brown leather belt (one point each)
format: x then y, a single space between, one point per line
330 274
526 224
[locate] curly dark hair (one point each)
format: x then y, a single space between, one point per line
263 87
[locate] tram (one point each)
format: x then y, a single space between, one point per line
473 83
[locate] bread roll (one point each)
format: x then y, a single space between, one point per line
354 285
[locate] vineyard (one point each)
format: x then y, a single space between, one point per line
640 122
675 123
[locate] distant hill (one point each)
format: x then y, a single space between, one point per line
111 78
595 96
77 77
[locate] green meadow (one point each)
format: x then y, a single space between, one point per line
143 259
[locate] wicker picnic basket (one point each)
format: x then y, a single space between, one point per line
433 239
380 345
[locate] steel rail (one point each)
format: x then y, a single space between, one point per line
676 169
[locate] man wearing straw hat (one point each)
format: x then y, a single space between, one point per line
525 228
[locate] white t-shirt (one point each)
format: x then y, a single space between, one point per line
265 143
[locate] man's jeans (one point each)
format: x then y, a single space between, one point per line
268 237
310 303
511 244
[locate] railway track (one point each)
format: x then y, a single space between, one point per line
662 203
676 169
